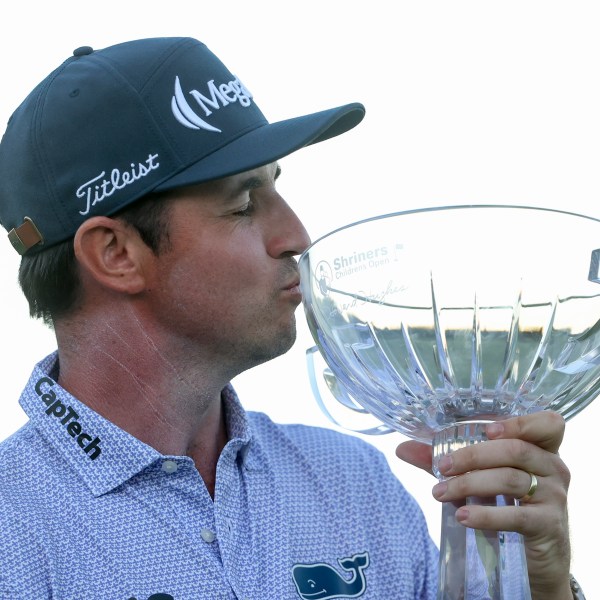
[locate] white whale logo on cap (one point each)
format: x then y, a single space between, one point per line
183 111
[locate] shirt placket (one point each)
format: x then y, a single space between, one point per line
231 518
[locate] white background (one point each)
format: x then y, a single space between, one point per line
467 102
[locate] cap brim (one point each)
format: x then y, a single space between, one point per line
266 144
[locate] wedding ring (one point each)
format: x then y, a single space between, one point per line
531 491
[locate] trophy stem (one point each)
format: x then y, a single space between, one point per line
477 564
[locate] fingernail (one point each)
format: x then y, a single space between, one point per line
439 490
445 464
494 429
462 514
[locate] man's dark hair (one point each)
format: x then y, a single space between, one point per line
50 278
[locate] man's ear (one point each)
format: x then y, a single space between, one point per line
112 253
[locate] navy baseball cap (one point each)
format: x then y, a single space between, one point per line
109 126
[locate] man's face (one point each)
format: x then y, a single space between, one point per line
227 288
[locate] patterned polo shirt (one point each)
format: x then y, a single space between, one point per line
88 512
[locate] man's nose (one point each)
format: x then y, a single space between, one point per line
289 236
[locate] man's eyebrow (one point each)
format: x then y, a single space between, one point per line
255 181
251 183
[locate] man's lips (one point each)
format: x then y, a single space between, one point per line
293 284
293 288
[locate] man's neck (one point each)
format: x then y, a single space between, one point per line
175 409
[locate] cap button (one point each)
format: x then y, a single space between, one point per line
82 51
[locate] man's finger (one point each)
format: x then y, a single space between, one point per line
545 429
416 453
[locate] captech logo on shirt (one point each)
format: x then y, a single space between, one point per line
217 97
320 581
68 418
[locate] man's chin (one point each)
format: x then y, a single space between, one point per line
278 346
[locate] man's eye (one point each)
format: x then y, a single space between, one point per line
246 210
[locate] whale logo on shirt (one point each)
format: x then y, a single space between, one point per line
321 581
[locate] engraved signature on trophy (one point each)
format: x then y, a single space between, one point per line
363 297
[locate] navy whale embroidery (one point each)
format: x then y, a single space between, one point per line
321 581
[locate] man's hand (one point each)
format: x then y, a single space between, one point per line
502 466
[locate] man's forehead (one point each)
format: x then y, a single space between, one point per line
227 186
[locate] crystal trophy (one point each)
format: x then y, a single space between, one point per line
434 322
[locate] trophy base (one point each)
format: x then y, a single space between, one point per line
477 564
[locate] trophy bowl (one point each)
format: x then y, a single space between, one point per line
434 322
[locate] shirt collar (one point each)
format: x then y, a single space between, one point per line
102 454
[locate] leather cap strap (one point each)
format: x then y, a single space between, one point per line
25 236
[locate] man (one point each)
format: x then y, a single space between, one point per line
139 185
